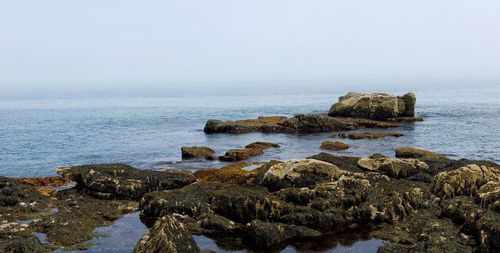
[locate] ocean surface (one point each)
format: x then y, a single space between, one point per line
39 135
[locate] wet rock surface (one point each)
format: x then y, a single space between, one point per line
250 150
198 152
334 145
122 181
365 135
407 152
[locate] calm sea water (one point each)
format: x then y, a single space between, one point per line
37 136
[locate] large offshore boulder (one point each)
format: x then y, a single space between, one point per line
168 235
374 105
122 181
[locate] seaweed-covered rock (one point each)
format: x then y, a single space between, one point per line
407 152
266 234
334 145
489 196
167 235
483 224
393 167
374 105
192 200
123 181
198 152
232 174
245 203
309 123
349 163
464 181
364 135
250 150
300 173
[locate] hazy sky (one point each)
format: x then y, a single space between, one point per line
96 43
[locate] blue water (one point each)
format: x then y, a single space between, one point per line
39 135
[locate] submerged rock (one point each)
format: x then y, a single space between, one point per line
167 235
393 167
356 136
198 152
465 181
300 173
334 145
407 152
250 150
123 181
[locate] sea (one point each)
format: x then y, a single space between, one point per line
39 134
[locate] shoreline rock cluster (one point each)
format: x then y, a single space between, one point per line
417 201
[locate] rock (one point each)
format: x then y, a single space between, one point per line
216 223
347 191
244 203
302 123
393 167
45 185
310 123
261 124
349 163
167 235
251 150
407 152
198 152
191 200
266 234
262 145
489 196
374 106
300 173
123 181
464 181
334 145
232 174
356 136
483 224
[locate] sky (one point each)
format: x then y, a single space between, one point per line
96 44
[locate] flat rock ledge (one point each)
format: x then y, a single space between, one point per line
303 123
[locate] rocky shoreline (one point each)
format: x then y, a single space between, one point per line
417 201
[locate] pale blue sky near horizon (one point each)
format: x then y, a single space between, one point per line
116 44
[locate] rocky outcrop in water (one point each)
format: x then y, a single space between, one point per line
407 152
334 145
374 106
250 150
302 123
198 152
123 181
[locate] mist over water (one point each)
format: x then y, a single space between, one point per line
148 132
